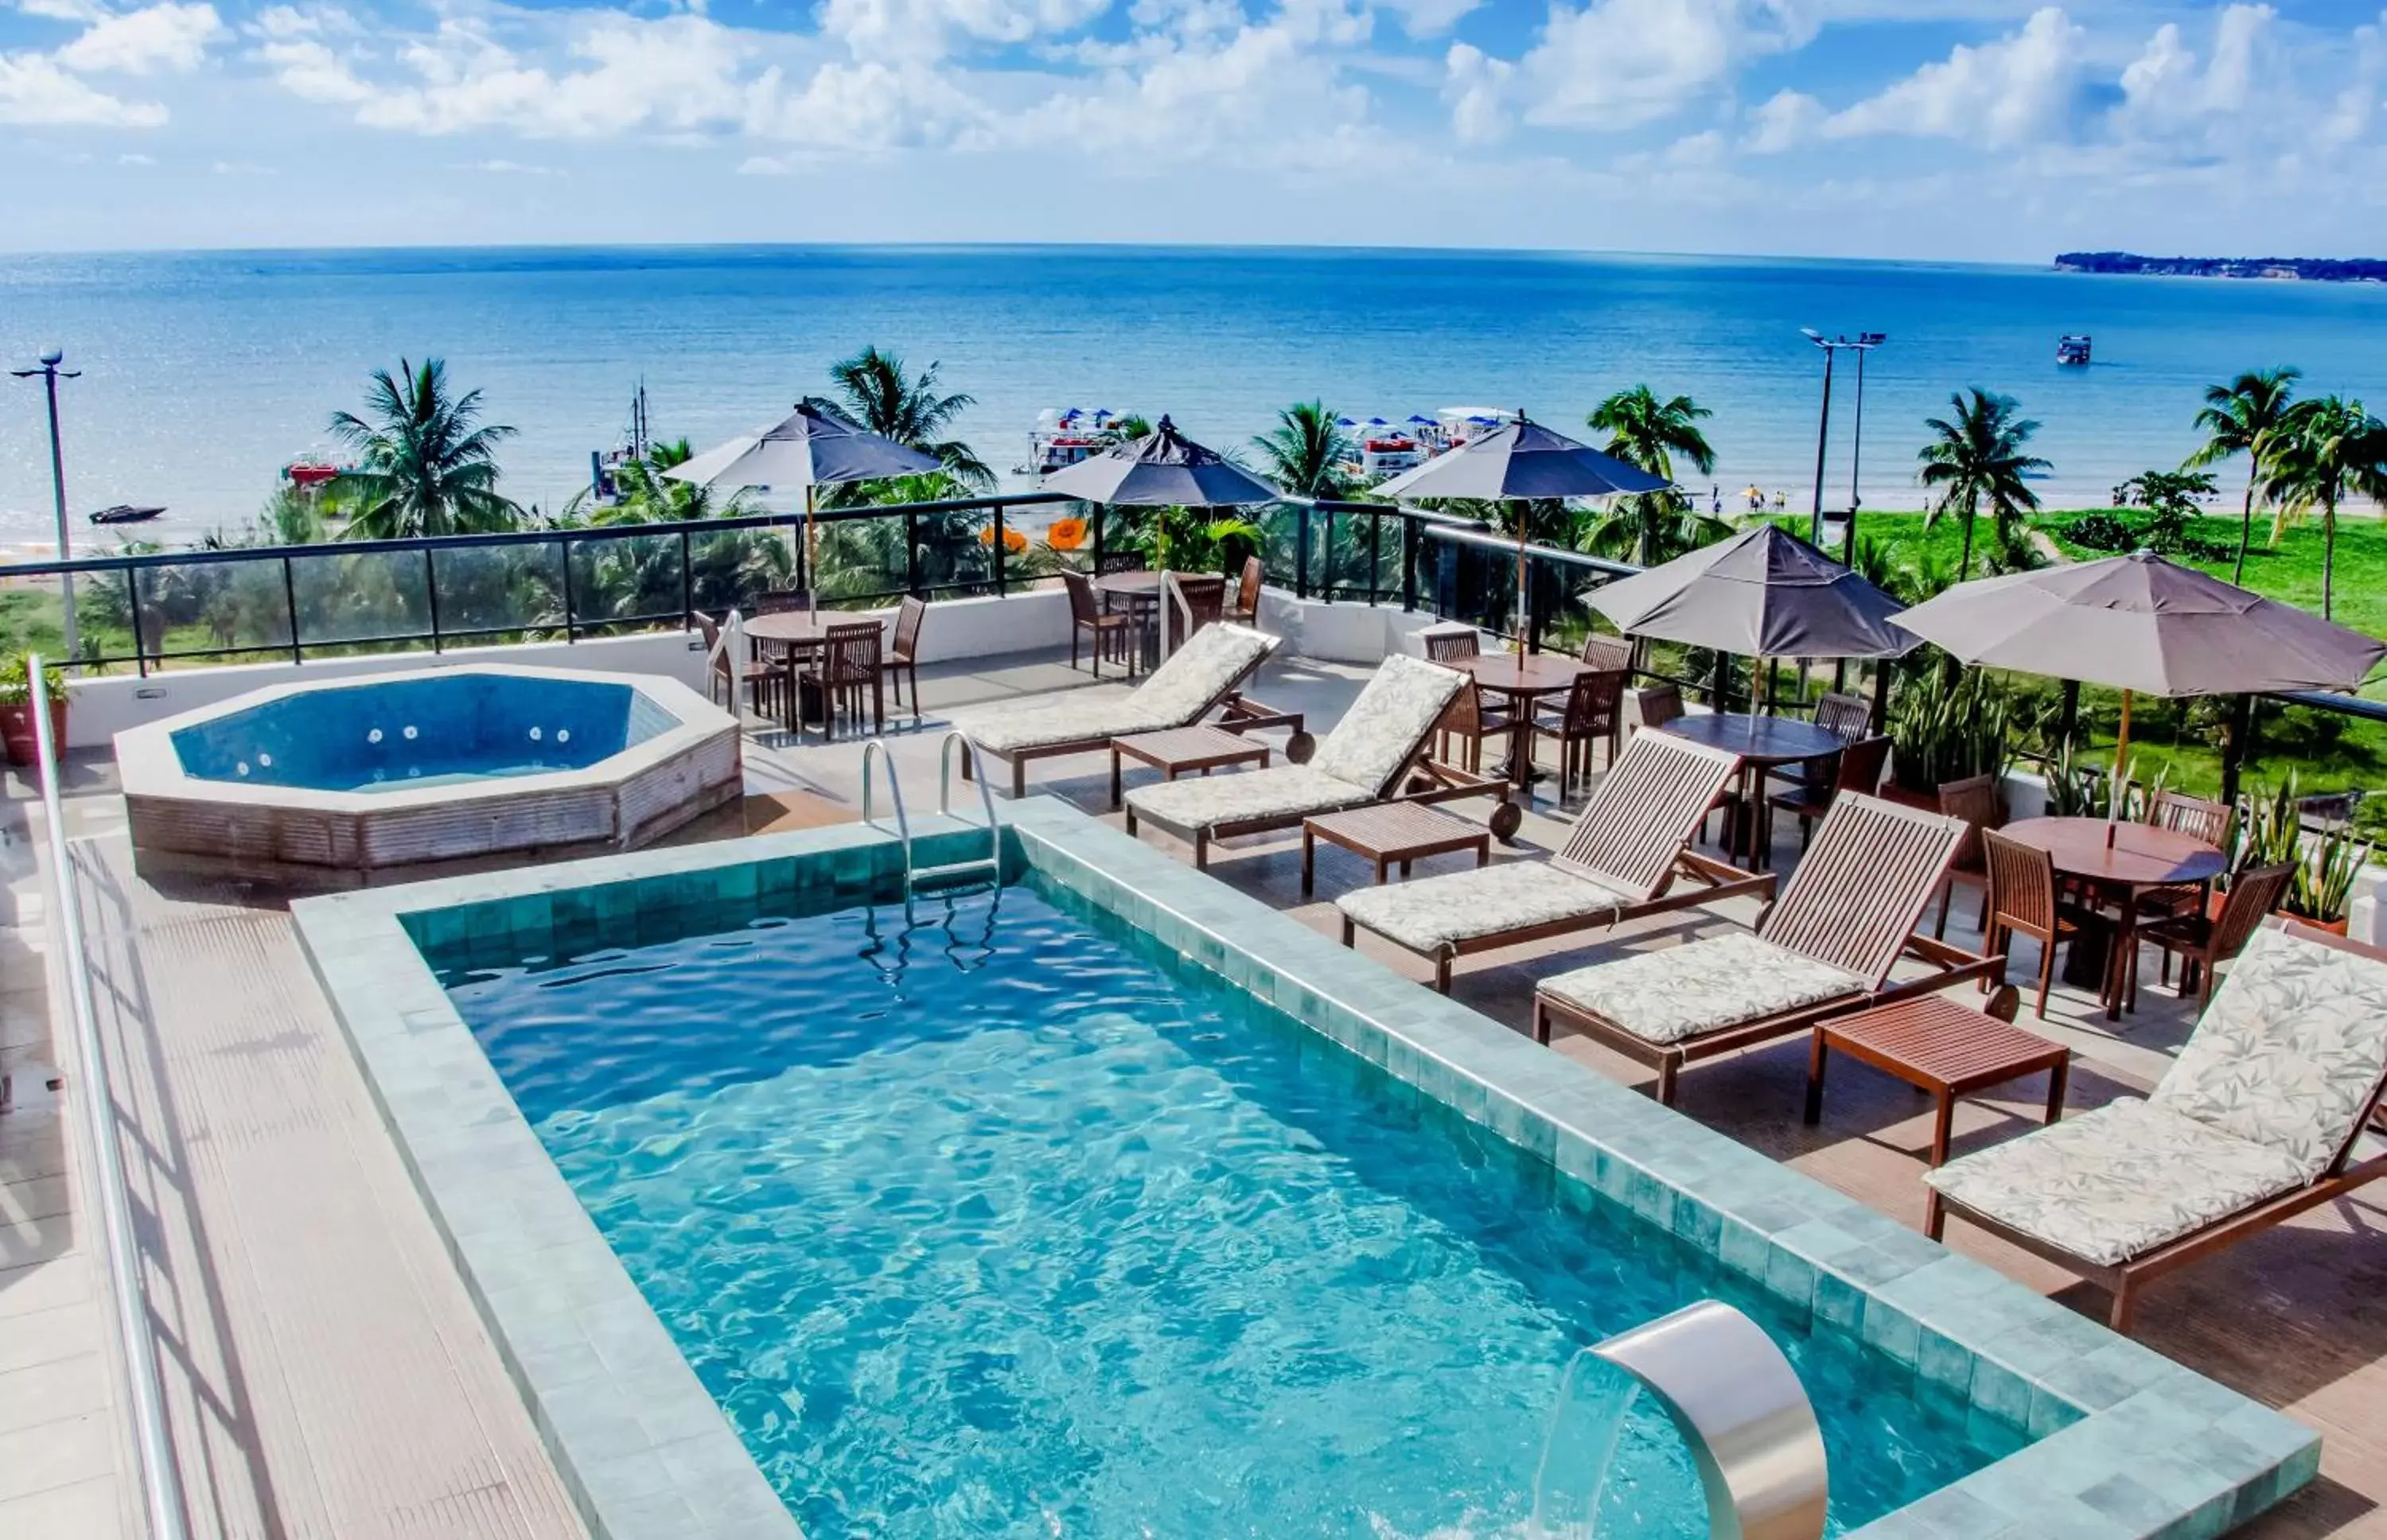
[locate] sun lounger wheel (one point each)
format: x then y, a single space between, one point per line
1300 748
1505 820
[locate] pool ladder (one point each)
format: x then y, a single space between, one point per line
985 868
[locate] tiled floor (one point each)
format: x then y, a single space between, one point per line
330 1379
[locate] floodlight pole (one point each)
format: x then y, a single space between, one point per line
1823 438
1866 342
50 373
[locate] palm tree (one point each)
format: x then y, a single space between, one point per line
874 391
1978 457
426 464
1305 451
643 494
2323 449
1650 527
2239 419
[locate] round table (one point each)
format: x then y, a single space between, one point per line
1522 678
1140 591
1761 743
2116 859
797 632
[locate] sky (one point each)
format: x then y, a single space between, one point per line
1985 130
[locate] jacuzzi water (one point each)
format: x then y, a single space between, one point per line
406 734
1007 1226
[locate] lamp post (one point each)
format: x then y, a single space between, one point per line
50 374
1865 343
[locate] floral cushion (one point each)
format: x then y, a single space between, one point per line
1388 722
1187 684
2289 1050
2117 1182
1437 912
1701 986
1288 791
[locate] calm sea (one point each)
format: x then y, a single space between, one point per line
203 374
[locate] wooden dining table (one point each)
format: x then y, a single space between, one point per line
1138 592
1520 678
2115 861
797 633
1761 743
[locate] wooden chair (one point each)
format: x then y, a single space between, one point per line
1118 562
1630 845
1825 948
850 663
903 651
1846 717
1860 764
1593 712
763 681
2198 818
1246 610
2203 943
1656 706
1118 634
2244 1150
1194 603
1470 719
1608 654
780 602
1446 647
2024 896
1975 802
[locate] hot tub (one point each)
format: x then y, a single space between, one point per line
345 780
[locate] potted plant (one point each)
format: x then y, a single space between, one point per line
1944 725
16 711
2323 886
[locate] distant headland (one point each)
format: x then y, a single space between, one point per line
2322 270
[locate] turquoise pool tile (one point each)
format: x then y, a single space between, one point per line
1790 1277
1742 1249
1839 1302
2000 1392
2048 1412
1893 1331
1945 1363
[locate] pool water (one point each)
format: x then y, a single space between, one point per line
406 734
1007 1225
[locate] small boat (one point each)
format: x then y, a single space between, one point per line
2072 348
125 513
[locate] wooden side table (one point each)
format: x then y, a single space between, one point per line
1934 1045
1389 832
1177 749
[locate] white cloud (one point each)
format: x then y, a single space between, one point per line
1785 121
510 168
926 29
155 38
64 10
1429 18
2020 89
1476 86
312 71
35 91
2167 94
1617 63
863 108
137 160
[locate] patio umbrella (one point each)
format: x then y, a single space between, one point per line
1762 594
1163 468
815 446
1520 462
2141 624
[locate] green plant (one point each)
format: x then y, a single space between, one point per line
2239 419
2101 532
2275 833
1979 456
15 680
2076 789
1946 724
1306 451
2325 449
426 464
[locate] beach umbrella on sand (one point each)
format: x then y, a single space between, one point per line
1762 594
2142 625
1164 469
815 447
1521 462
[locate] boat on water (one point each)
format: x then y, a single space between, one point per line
1063 438
312 469
2072 348
125 513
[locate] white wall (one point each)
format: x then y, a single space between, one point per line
1344 633
107 704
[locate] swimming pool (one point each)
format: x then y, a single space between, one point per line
1126 1248
991 1225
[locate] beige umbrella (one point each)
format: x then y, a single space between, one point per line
2143 624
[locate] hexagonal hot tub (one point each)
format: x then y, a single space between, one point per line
395 776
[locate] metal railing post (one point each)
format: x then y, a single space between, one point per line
132 607
686 586
571 626
1002 568
431 597
1301 553
911 553
160 1477
290 599
2235 741
1409 539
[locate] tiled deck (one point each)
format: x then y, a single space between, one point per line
325 1359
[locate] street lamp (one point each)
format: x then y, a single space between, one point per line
1865 343
51 374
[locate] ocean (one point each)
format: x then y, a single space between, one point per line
203 374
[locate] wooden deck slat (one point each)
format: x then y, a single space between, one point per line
327 1374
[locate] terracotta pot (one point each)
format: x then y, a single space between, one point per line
2335 927
17 731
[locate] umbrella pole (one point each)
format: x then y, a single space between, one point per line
1524 613
2121 752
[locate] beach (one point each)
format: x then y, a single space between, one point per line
202 374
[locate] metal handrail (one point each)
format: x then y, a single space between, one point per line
873 752
160 1477
975 772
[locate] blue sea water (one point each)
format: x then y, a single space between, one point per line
999 1226
204 373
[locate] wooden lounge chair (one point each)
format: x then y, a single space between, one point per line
1628 846
1823 949
1204 675
2256 1120
1377 753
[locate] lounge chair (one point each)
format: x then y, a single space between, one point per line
1199 678
1374 754
1630 844
1823 949
2254 1122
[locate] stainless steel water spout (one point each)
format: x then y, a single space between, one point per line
1740 1407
